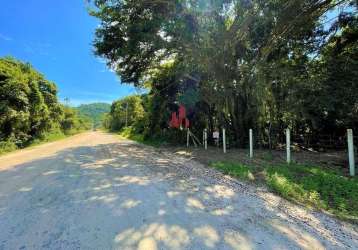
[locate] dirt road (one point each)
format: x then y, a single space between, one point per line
94 191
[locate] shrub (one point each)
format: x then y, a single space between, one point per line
7 146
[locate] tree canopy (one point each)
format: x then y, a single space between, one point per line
127 111
237 64
29 106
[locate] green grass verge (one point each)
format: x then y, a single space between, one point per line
313 186
8 147
129 133
50 137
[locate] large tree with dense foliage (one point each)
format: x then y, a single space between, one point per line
237 64
29 107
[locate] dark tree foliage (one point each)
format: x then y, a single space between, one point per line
238 64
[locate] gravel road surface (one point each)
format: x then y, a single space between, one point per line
96 191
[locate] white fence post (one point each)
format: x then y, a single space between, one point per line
187 138
251 144
224 141
205 139
351 152
288 145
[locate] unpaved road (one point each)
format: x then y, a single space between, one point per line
94 191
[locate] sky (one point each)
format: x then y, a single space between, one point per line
56 37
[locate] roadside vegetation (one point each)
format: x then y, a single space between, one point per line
237 65
30 110
129 117
130 133
314 186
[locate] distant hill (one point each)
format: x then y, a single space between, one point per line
95 111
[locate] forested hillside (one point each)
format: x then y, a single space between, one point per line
95 112
29 107
265 65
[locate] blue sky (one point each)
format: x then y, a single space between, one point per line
55 37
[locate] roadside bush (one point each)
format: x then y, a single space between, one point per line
50 136
131 133
7 146
29 108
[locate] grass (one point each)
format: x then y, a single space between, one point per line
50 137
129 133
8 147
236 170
312 186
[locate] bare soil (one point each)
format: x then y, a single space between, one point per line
337 160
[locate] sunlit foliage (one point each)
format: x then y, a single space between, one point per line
265 65
29 108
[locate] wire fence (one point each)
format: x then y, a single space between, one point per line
325 148
277 140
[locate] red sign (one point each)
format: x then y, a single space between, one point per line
180 119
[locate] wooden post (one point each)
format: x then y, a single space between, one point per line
351 152
251 144
288 146
224 141
205 139
187 137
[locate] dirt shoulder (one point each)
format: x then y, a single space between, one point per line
43 150
331 160
319 181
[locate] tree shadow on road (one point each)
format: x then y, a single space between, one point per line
128 196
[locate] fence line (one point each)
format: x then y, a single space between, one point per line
291 141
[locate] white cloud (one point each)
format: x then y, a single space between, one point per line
101 60
6 38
